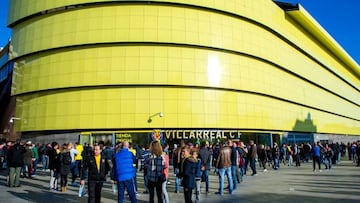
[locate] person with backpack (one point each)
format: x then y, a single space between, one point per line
65 162
155 171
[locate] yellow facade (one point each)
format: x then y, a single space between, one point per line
204 64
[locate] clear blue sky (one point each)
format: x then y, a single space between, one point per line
339 18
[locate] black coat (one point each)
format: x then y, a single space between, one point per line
90 169
188 172
204 155
64 166
54 160
15 156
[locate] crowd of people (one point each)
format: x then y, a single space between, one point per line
191 164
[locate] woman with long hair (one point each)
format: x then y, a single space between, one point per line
155 171
65 161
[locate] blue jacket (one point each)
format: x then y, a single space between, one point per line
123 165
198 172
316 151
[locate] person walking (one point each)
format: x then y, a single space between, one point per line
95 168
28 159
252 157
124 173
262 157
15 161
36 159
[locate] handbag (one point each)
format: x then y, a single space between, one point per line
82 190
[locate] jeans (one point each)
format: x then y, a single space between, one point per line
206 175
35 163
26 169
146 181
128 184
135 181
234 178
197 189
222 172
253 165
45 161
328 162
241 171
177 180
74 172
54 179
276 163
164 192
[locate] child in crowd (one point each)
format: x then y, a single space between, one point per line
195 154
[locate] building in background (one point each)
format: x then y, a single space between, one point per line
7 102
213 69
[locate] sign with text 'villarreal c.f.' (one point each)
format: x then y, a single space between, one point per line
202 134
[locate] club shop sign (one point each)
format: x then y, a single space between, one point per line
202 134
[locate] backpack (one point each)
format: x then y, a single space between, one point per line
157 174
66 158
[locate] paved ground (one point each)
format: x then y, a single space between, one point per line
289 184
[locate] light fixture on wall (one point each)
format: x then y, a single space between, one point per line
12 119
161 114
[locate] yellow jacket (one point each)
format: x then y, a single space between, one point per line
133 151
79 148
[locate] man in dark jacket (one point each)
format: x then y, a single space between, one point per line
252 157
95 168
205 157
223 164
276 156
234 162
15 158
